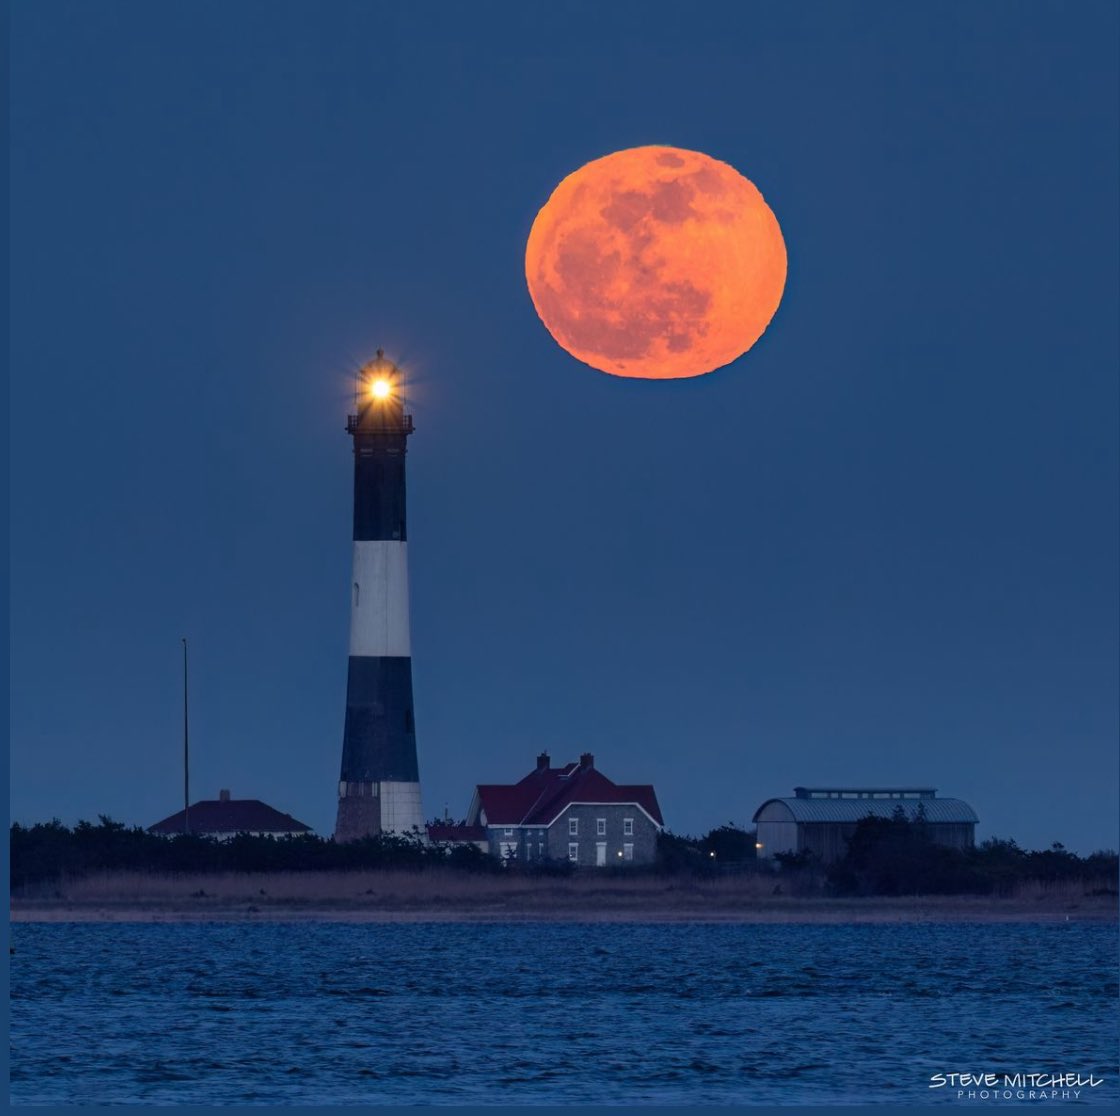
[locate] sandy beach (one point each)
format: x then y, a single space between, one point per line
437 896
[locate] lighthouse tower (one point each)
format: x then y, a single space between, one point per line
379 786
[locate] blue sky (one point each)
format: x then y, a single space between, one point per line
879 548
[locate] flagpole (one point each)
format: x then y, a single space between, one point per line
186 750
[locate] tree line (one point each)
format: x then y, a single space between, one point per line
899 856
885 856
49 851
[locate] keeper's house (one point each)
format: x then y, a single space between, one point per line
572 813
821 819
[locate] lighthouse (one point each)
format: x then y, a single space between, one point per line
379 785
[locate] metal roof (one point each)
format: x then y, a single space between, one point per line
808 792
943 810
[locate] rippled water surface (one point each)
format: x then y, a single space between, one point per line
324 1013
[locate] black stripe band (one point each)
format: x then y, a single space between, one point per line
379 504
379 743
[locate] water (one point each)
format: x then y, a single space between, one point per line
318 1013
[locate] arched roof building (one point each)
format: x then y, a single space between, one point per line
821 819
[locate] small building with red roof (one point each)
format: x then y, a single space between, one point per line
450 833
224 817
572 813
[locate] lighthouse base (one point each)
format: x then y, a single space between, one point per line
370 809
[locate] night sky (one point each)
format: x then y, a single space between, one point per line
880 548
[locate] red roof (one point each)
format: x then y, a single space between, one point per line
231 815
441 832
543 795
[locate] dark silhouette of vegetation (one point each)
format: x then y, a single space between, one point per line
727 848
45 852
804 861
886 856
678 854
896 856
730 844
50 851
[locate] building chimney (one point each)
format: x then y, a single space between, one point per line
223 796
587 760
542 761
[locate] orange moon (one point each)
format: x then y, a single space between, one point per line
656 262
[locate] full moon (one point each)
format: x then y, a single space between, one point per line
656 262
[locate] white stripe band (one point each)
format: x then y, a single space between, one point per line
400 808
379 599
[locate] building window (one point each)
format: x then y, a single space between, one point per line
628 827
600 827
573 850
508 833
573 827
627 852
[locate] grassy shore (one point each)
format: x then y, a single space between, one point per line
436 895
